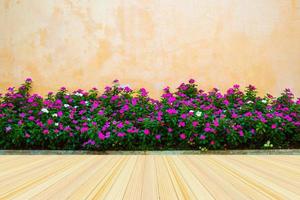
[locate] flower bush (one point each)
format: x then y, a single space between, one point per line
123 119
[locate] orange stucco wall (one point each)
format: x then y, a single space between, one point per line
81 44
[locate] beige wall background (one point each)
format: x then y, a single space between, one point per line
151 44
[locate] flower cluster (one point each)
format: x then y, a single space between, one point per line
123 119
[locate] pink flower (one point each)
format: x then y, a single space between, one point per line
46 131
216 123
273 126
157 137
181 124
202 137
27 135
146 131
234 115
195 123
84 129
31 118
182 136
101 136
49 121
241 133
121 134
170 130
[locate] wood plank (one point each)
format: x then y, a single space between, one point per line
149 177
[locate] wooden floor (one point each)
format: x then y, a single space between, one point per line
149 177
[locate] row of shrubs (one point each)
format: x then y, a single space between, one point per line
123 119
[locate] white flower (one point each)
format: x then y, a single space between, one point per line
249 102
56 124
75 106
44 110
191 111
89 119
87 103
264 101
78 94
66 105
54 115
198 114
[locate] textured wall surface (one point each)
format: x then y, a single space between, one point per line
150 43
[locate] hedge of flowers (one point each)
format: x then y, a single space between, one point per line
123 119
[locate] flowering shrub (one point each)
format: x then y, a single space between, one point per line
123 119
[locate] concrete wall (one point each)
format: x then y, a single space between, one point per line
81 44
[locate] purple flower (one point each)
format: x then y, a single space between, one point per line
143 92
157 137
191 81
28 80
202 137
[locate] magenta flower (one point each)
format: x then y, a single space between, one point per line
121 134
241 133
274 126
216 122
202 137
171 111
226 102
46 131
146 132
157 137
59 113
181 124
49 121
234 115
84 129
182 136
195 123
101 136
31 118
143 92
120 125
